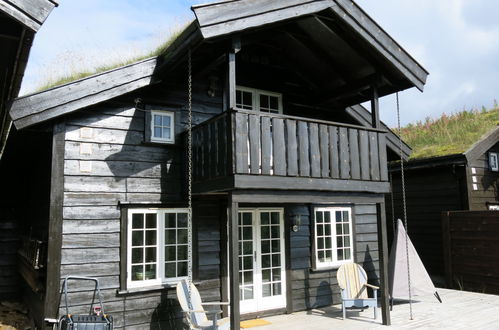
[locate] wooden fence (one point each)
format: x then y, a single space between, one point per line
471 250
278 145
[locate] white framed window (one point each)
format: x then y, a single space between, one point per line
162 126
333 241
156 246
493 161
258 100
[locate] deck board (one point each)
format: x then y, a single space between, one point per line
459 310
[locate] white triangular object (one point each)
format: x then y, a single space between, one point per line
421 283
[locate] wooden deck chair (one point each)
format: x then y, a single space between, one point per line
352 279
197 315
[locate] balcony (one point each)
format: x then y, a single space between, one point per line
243 149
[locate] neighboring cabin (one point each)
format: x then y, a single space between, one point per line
459 173
289 175
19 22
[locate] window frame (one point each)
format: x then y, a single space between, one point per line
255 95
150 128
493 161
335 263
161 279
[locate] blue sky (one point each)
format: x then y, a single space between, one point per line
457 41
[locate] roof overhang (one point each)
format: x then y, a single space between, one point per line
485 143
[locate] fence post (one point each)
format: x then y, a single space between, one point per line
446 244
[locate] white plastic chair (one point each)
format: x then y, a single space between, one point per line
352 279
196 315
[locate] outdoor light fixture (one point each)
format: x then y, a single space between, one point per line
296 221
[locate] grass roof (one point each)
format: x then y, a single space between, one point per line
449 134
73 76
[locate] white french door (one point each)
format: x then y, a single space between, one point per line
261 259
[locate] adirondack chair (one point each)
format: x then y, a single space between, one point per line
352 279
197 316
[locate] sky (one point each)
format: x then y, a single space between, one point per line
457 41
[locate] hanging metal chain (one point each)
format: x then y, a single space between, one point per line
189 175
404 203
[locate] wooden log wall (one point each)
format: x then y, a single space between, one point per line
429 192
312 289
107 162
471 249
486 181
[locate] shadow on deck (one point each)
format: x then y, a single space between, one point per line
459 310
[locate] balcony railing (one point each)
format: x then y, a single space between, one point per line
242 142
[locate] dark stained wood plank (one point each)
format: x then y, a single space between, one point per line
315 156
37 9
303 147
207 152
266 146
241 144
383 160
364 155
213 150
374 156
222 146
279 146
254 143
334 161
383 262
324 149
353 139
292 147
344 153
55 222
233 261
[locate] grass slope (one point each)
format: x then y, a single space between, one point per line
451 134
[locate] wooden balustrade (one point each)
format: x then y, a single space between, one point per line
276 145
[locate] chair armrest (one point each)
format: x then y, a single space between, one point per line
216 303
213 312
372 286
194 311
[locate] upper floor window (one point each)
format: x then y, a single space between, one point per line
259 100
157 246
332 236
161 126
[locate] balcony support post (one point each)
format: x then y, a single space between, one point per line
230 90
375 107
233 214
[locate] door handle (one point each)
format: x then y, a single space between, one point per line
254 255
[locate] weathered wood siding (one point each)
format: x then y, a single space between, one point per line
311 289
429 192
486 181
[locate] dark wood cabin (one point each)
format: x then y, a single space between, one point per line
465 181
280 154
19 22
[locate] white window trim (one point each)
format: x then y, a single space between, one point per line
160 258
172 126
335 263
255 93
494 160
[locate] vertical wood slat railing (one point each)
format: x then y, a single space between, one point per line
268 144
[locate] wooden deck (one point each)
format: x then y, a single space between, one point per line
459 310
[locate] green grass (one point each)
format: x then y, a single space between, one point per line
449 134
73 76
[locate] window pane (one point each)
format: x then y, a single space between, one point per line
170 236
170 269
248 98
276 274
275 218
150 273
137 238
182 252
166 133
328 243
248 247
266 246
327 217
346 229
239 97
265 218
248 292
347 254
329 256
339 242
345 216
275 231
320 256
340 254
137 255
137 220
318 217
150 254
182 220
266 275
276 260
266 290
277 289
320 230
276 246
182 236
247 219
137 273
151 237
338 216
151 220
327 230
266 261
274 102
166 121
248 233
157 132
346 241
170 253
248 262
320 243
265 232
157 120
182 269
248 277
170 220
264 101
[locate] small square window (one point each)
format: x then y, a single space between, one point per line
160 126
